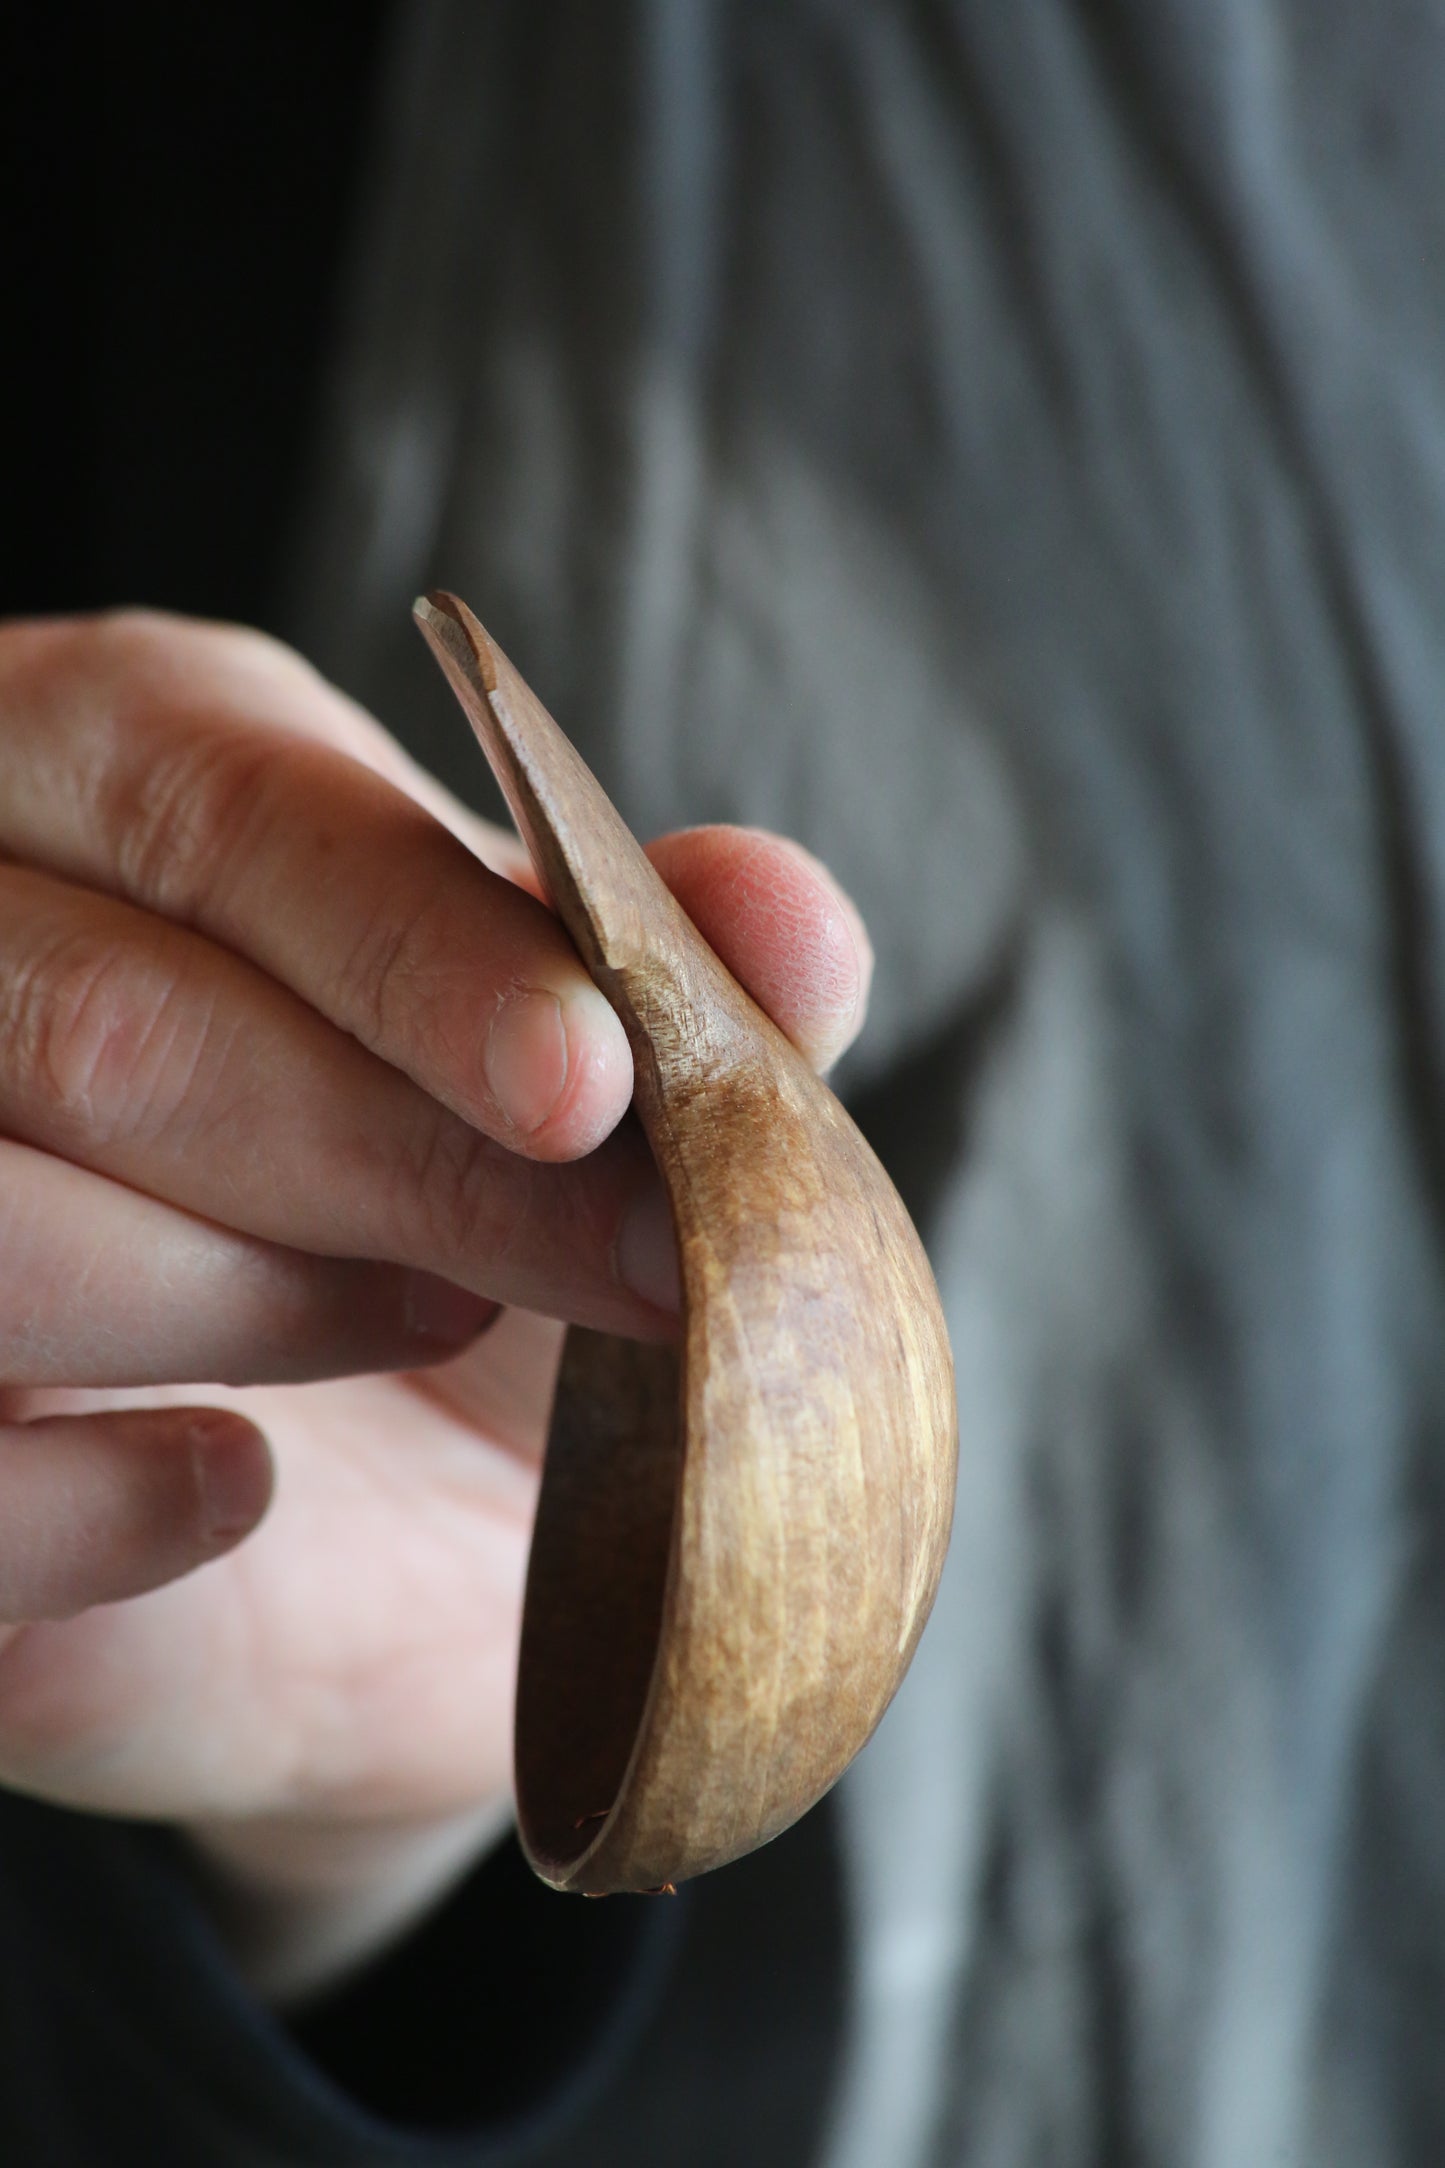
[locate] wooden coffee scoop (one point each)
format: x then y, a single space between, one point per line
739 1538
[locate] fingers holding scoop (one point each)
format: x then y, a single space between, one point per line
323 996
209 776
251 977
153 760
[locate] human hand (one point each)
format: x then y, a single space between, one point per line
249 959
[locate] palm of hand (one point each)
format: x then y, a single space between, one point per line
355 1659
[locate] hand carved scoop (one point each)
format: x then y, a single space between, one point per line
738 1539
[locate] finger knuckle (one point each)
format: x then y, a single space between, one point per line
181 822
90 1043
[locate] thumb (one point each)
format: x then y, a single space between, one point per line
96 1508
781 924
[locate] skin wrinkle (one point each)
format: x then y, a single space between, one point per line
450 1178
178 820
378 968
57 997
217 1115
453 1182
187 1056
23 1020
86 1043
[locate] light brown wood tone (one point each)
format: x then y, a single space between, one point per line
739 1538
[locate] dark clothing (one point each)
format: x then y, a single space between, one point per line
519 2028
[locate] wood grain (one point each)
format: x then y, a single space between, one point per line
738 1539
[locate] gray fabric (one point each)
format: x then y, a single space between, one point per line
1004 445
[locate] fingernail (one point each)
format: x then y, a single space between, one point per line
646 1250
526 1059
440 1312
233 1476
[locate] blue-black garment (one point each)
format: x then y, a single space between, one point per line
515 2029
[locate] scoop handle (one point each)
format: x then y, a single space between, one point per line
635 940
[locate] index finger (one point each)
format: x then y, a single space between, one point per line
208 774
132 771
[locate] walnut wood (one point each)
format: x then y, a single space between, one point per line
739 1539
